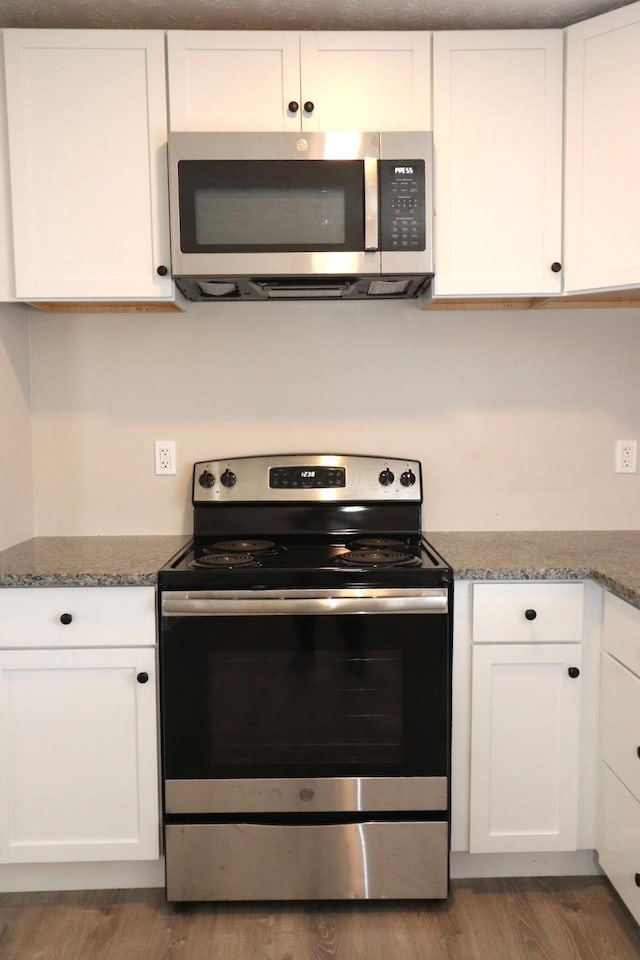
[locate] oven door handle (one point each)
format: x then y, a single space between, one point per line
193 605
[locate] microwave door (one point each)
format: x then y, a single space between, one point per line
277 217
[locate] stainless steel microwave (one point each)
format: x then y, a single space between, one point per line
336 215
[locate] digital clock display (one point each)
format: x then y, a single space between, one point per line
307 478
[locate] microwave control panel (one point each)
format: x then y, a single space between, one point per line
402 205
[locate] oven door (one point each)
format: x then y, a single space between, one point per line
298 702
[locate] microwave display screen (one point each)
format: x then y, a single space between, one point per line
279 216
246 206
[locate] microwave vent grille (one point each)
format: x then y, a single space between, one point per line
388 288
213 288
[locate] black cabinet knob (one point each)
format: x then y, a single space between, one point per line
556 267
573 672
228 478
309 106
294 106
162 271
66 618
530 614
142 677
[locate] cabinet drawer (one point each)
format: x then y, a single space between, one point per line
619 840
527 612
621 631
100 616
620 722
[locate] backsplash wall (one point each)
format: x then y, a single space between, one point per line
514 415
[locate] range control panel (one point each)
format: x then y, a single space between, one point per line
307 477
402 205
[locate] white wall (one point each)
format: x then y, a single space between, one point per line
513 414
16 475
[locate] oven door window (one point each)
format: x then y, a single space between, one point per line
252 206
361 695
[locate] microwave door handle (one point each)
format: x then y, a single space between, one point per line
371 203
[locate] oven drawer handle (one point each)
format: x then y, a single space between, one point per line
203 607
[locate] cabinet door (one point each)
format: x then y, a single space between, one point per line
619 839
602 152
87 136
620 722
233 80
497 125
525 717
78 756
372 80
6 240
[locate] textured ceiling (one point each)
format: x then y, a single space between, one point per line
301 14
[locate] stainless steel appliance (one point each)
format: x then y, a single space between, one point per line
305 653
336 215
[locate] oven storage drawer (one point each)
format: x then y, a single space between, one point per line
249 861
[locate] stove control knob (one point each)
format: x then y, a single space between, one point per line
228 479
386 477
206 479
408 478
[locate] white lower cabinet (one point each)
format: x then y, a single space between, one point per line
526 704
78 751
619 840
525 740
619 821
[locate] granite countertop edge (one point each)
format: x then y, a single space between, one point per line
79 580
620 589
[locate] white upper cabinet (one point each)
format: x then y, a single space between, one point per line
233 79
602 187
497 122
6 239
87 136
366 81
272 80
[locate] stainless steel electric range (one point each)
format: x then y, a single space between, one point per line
305 650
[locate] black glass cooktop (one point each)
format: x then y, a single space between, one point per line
250 562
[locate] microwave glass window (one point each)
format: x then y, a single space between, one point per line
247 206
273 215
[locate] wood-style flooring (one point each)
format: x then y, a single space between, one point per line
516 919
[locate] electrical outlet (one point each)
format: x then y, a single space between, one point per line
626 456
165 457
